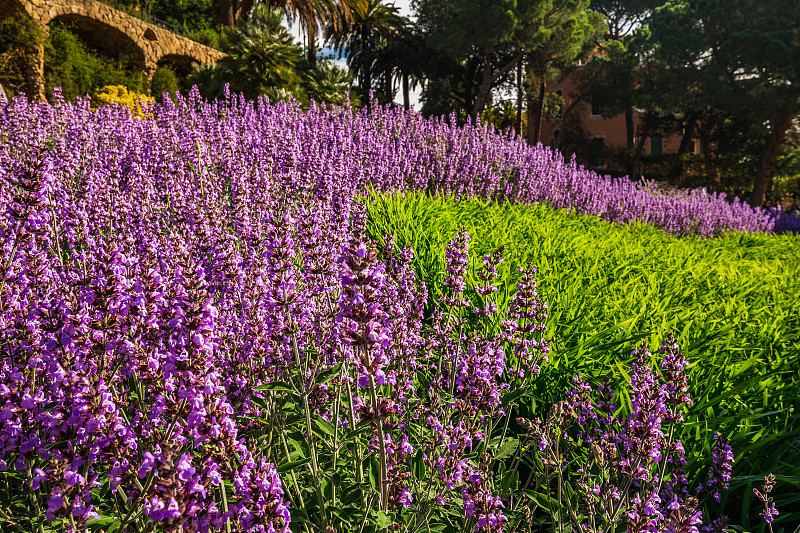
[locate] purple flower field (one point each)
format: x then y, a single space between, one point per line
195 334
343 151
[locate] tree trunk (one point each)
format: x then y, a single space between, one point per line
686 143
488 79
243 8
629 140
530 105
688 132
485 87
227 13
367 88
518 124
406 96
537 131
311 32
763 180
637 157
387 85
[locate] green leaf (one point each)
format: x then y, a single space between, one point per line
513 395
353 493
510 481
373 471
541 500
298 515
327 375
259 402
356 432
275 386
107 524
299 442
291 465
324 425
383 520
507 449
420 470
339 513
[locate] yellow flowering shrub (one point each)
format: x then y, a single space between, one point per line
119 94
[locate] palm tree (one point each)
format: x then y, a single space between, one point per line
314 13
325 82
232 11
262 55
374 41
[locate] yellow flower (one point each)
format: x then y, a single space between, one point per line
138 104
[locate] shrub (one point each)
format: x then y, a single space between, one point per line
119 94
164 82
77 71
207 36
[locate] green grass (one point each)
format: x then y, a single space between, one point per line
732 302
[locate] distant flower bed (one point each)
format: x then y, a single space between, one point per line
194 332
345 151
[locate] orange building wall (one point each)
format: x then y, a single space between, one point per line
612 129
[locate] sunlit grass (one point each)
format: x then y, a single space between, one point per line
732 302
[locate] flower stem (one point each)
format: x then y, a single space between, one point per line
384 492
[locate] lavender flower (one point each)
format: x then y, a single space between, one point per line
770 511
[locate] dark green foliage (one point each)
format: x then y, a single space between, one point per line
209 80
192 15
564 32
480 41
262 56
732 302
324 82
19 36
164 81
69 64
263 59
623 16
787 180
742 59
208 36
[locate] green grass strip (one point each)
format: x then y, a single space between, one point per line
732 302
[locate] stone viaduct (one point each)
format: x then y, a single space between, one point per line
145 46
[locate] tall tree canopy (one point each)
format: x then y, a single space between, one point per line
313 14
477 42
482 40
746 56
611 75
372 41
565 30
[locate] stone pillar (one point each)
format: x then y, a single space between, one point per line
150 67
34 72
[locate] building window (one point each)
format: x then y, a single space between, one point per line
597 152
656 144
597 106
556 139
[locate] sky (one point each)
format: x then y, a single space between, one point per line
405 9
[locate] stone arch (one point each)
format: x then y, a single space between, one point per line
180 53
114 32
180 63
111 41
